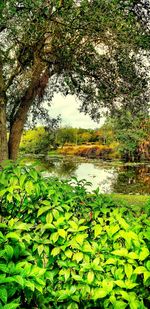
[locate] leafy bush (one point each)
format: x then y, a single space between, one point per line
62 247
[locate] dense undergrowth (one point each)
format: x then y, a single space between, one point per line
62 247
91 151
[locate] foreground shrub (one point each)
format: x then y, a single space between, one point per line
89 253
21 280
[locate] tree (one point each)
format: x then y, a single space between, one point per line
38 140
59 44
66 135
131 134
3 130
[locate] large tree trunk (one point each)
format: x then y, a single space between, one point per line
39 81
17 128
3 129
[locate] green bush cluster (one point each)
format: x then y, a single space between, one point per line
62 247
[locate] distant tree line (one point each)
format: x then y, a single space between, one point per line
130 139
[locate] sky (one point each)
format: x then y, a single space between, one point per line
67 107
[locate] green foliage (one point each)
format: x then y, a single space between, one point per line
62 247
21 280
131 130
66 135
37 140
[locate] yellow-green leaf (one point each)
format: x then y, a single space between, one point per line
90 277
68 253
143 254
99 293
121 252
128 270
55 251
62 233
97 230
78 256
42 210
49 218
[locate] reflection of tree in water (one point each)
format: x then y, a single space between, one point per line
48 165
62 168
55 165
66 168
133 179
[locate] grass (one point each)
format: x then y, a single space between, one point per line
136 202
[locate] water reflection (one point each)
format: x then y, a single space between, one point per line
133 179
125 179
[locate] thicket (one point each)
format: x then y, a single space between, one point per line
62 247
91 151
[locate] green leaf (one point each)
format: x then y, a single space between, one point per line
148 265
119 304
111 261
82 228
121 252
55 251
40 249
65 273
34 174
130 285
11 306
73 225
128 270
97 230
56 214
99 293
22 179
78 256
107 285
124 294
30 285
146 275
19 280
62 233
139 270
96 261
80 238
3 268
42 210
3 294
29 187
73 305
123 223
49 218
22 226
68 253
37 271
120 283
90 277
133 256
143 254
54 237
4 279
111 230
13 235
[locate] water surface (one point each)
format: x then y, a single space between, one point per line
108 176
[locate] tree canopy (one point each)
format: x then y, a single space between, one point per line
85 48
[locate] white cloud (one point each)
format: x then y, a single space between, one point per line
67 107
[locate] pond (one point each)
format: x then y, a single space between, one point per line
110 177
